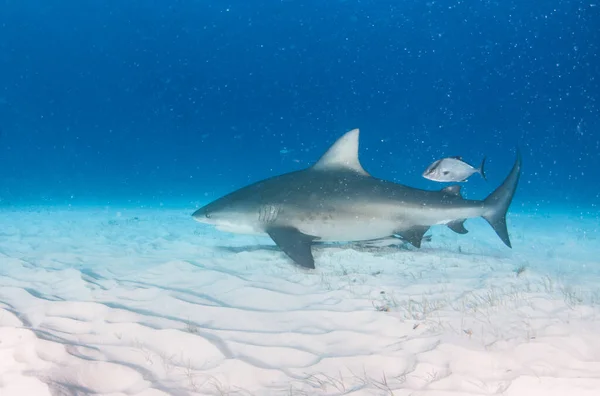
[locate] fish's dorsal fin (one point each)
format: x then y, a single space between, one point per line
452 190
343 154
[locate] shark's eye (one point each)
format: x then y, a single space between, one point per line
207 215
445 172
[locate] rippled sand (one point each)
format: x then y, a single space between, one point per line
98 301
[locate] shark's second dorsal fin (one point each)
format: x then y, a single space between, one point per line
452 190
343 154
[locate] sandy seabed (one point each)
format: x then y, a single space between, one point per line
100 301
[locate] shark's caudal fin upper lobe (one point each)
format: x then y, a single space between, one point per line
497 203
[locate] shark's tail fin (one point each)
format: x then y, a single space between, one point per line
497 203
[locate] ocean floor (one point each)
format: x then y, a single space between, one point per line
105 301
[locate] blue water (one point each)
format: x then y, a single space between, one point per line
149 102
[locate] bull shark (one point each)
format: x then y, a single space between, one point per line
336 200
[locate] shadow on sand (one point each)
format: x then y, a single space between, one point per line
390 243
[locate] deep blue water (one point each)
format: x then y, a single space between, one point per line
178 101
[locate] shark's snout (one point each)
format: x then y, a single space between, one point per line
202 215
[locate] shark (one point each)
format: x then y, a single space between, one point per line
337 200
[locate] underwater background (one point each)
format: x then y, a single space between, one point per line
149 103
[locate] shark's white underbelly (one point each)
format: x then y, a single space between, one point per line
349 230
382 222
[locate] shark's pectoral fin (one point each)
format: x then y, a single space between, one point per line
414 235
295 244
458 226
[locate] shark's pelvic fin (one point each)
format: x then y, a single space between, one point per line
343 154
295 244
497 203
458 226
414 235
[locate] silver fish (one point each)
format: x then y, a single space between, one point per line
452 169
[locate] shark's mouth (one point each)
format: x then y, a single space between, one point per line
237 228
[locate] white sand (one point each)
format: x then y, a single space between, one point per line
149 302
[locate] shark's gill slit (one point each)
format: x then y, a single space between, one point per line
268 213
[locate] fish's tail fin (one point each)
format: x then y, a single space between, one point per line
497 203
481 169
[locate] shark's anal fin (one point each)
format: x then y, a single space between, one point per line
295 244
458 226
414 235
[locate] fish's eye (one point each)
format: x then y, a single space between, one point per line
445 172
207 215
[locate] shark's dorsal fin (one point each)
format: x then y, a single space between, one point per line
343 154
